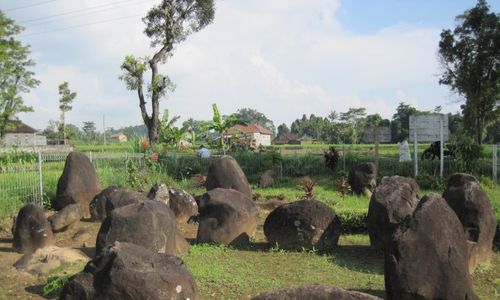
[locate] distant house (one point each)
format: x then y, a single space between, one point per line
259 134
120 137
306 140
286 139
23 136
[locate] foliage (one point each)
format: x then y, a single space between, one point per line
282 129
220 125
343 187
331 158
307 186
354 119
67 97
470 59
400 126
54 286
15 75
89 129
467 152
167 24
168 133
252 116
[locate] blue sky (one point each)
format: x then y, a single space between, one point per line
284 58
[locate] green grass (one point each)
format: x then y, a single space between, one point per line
231 273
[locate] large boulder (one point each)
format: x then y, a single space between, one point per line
393 200
31 230
267 178
78 183
226 217
150 224
113 197
314 292
79 287
427 257
126 271
227 174
160 192
303 224
182 204
362 178
64 218
97 206
471 204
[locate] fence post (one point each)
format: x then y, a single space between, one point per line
90 156
40 177
495 162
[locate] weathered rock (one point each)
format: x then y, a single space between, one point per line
79 287
78 183
393 200
31 230
113 197
226 216
160 192
122 198
98 205
314 292
127 271
182 204
427 257
42 261
64 218
362 178
303 224
181 244
227 174
471 204
150 224
267 178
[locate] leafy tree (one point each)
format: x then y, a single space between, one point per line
282 129
250 115
89 129
67 97
51 130
354 121
15 75
470 58
400 126
169 133
167 24
221 124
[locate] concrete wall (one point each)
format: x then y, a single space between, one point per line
262 139
24 140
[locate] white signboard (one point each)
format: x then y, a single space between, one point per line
429 128
383 134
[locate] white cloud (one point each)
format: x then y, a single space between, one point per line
281 57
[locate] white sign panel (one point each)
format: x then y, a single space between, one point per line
429 127
384 134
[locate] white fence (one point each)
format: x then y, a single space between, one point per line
24 181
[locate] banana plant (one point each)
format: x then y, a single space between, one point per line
221 124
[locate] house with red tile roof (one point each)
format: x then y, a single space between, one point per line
261 135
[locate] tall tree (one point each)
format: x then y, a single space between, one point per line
400 126
250 115
15 75
167 24
354 121
67 97
282 129
89 129
470 58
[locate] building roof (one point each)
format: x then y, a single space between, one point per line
118 135
250 128
286 137
20 127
